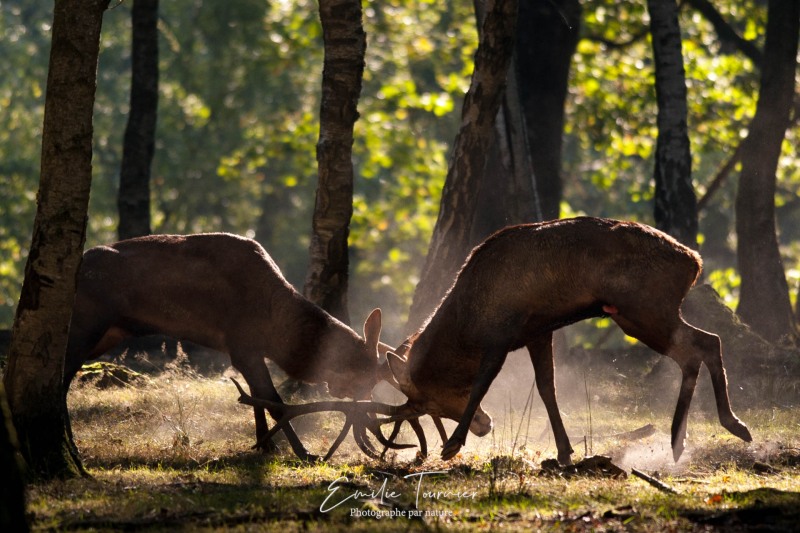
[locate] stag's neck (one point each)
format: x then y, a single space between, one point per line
433 344
311 340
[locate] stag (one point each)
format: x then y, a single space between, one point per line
226 293
526 281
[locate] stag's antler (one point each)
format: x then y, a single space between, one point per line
360 415
388 376
418 431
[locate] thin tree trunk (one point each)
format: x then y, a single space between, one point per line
345 45
133 200
450 243
546 39
764 294
33 377
675 201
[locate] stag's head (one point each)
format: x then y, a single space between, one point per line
435 395
355 371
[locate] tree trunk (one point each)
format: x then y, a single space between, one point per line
546 39
133 200
345 45
675 201
507 193
12 489
451 243
764 294
33 377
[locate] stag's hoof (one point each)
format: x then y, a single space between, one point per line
738 428
677 448
451 448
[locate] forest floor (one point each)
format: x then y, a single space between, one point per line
171 450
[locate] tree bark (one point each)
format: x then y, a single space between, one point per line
547 35
451 243
507 192
675 201
12 489
33 377
764 294
345 45
133 200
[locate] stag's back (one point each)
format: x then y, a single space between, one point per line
550 274
184 286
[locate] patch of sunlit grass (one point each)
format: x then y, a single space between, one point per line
174 451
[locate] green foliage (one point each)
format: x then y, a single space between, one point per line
25 48
238 125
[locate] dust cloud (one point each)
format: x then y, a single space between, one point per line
602 397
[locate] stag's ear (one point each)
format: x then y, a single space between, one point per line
372 330
399 370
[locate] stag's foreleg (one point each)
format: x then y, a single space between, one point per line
255 372
491 363
541 352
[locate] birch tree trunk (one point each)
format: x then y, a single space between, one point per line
345 45
34 375
675 201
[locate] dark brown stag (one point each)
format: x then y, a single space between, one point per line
223 292
526 281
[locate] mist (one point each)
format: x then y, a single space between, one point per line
604 396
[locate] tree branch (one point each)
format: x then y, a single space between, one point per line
725 32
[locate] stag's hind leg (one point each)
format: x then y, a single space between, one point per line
669 335
708 348
541 352
689 347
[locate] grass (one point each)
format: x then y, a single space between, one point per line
172 451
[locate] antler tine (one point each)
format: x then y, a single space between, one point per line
342 434
392 436
418 431
358 416
393 412
373 426
360 436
